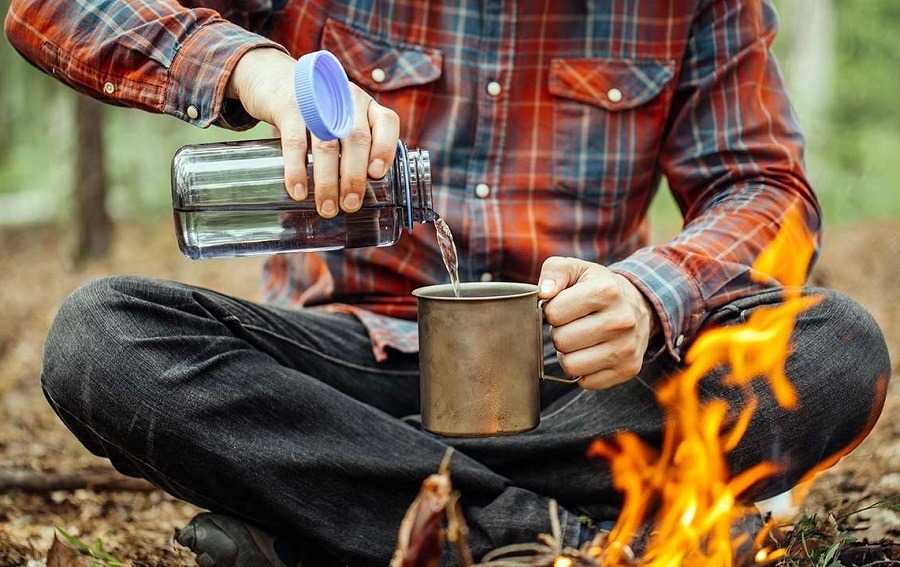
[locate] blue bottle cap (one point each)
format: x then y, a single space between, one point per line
322 91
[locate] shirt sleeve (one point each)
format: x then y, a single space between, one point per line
161 56
733 158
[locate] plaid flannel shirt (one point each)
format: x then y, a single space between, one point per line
550 126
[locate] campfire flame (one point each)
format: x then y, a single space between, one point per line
686 484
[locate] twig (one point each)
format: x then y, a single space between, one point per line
458 531
36 481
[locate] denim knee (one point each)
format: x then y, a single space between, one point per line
863 366
85 341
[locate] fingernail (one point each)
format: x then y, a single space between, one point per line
328 207
351 202
376 168
299 191
547 286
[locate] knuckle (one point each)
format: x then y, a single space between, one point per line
326 188
596 381
326 146
555 335
360 136
631 368
390 115
609 291
626 321
384 113
553 261
564 362
551 315
293 140
562 344
356 184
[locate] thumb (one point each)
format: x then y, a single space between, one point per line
558 273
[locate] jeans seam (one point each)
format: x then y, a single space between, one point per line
566 405
180 486
328 357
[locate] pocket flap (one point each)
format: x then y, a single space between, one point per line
613 84
377 65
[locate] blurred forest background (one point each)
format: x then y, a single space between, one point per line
62 156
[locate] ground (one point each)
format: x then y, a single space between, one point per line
863 261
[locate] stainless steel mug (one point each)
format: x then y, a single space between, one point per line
480 358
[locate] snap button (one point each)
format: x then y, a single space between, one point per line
494 88
482 191
378 75
614 95
487 276
192 112
109 88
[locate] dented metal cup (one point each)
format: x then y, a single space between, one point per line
480 358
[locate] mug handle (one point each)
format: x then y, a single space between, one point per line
574 379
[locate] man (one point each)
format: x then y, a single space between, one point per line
550 125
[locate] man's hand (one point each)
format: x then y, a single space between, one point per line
601 322
263 81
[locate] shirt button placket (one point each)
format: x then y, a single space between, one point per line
491 82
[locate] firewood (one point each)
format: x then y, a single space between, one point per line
37 481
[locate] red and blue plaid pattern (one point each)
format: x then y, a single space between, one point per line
597 101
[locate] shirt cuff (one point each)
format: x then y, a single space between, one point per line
673 293
200 70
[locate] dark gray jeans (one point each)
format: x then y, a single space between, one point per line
283 418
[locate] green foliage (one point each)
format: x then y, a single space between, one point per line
99 556
852 153
819 540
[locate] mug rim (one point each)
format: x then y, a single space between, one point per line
524 290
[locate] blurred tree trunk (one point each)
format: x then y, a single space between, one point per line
810 27
93 227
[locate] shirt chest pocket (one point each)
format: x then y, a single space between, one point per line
400 76
608 121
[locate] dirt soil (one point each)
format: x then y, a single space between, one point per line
863 261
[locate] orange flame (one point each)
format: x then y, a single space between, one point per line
686 484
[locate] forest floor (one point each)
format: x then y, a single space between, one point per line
863 261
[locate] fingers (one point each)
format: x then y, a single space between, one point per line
585 297
326 156
355 154
293 148
604 379
614 362
558 273
385 125
594 329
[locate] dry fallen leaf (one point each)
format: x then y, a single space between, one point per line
420 541
61 555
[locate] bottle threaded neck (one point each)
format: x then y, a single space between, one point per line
414 180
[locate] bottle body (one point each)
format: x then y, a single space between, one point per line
229 200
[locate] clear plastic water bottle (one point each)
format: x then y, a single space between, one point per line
229 198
